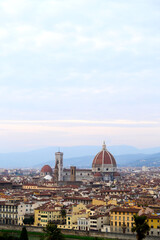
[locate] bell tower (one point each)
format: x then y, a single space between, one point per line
59 165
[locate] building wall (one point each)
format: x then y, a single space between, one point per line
154 224
26 208
98 202
117 219
8 213
81 174
42 217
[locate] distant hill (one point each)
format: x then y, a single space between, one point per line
80 156
152 160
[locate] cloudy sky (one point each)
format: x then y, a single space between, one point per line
78 72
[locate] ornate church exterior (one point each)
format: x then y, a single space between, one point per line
104 168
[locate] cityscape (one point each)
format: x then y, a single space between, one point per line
79 119
102 199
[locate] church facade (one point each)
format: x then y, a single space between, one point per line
104 168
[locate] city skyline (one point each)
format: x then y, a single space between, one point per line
77 73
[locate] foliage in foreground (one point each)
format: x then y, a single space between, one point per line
24 234
52 232
6 236
140 226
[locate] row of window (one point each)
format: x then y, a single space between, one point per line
116 218
82 222
120 224
157 227
155 220
122 213
8 215
42 220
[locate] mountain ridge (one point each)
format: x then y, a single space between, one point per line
125 155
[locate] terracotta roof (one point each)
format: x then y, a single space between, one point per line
104 157
46 168
119 209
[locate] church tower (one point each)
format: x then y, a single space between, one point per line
59 165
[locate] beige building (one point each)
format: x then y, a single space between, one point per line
26 208
9 212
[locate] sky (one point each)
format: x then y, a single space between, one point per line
79 72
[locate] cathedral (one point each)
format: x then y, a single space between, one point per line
104 168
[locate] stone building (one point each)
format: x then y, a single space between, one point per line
104 168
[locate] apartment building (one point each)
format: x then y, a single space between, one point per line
122 217
9 212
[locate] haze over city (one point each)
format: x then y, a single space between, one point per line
79 72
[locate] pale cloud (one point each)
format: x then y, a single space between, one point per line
42 134
13 7
89 60
78 121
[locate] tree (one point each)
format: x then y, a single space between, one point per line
140 226
52 232
24 234
63 214
29 220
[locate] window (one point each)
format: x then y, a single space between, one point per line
119 218
115 217
119 223
115 223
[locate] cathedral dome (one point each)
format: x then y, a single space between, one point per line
46 169
104 159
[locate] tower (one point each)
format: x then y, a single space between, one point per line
73 174
59 165
56 172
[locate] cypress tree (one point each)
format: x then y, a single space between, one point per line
24 234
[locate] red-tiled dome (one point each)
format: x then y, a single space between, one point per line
104 157
46 169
